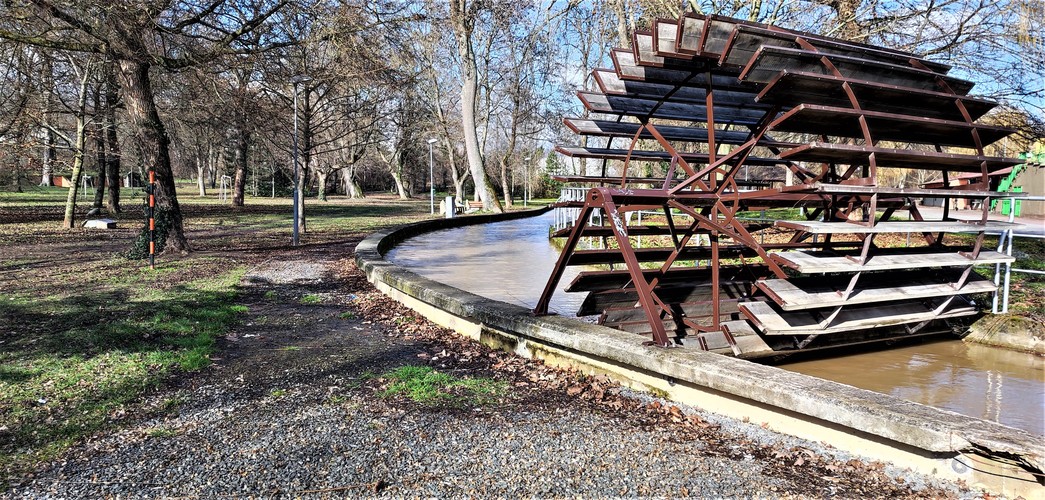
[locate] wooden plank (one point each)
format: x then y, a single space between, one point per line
747 38
633 230
656 254
846 122
717 30
853 189
739 114
658 181
799 294
691 27
684 72
882 260
607 128
716 341
739 328
928 226
748 343
850 154
790 88
590 281
665 39
769 61
775 322
729 94
643 155
617 317
642 46
677 292
628 68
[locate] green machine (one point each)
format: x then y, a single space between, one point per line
1006 185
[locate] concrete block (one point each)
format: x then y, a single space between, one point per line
100 224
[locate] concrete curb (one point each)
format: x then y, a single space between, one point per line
935 441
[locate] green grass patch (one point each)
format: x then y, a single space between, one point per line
773 214
86 331
311 300
424 385
161 432
79 358
347 315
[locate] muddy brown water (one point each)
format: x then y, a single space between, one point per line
511 261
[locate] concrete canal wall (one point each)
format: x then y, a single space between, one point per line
936 442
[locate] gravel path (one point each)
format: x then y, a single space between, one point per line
292 409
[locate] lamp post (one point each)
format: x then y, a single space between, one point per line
297 80
431 175
526 181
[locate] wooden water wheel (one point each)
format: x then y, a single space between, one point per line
724 111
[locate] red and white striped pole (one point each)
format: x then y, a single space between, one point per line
152 219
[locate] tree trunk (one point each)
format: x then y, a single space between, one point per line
50 154
459 178
306 155
112 143
463 17
240 180
625 22
459 192
113 177
212 167
506 183
18 177
201 174
401 184
99 158
352 188
321 179
151 134
78 154
846 13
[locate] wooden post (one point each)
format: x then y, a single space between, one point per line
152 219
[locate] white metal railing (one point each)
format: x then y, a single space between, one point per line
566 216
1005 243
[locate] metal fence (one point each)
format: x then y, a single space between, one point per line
1002 277
566 216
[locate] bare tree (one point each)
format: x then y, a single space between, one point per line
113 164
436 87
139 36
83 71
463 18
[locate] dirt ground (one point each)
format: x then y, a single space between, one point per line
308 309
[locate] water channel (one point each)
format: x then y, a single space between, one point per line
511 261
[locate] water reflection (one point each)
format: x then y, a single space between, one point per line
508 261
511 261
980 381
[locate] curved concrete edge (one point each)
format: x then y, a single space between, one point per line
1010 332
878 426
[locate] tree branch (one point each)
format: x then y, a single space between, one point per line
52 44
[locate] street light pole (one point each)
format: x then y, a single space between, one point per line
526 181
295 239
297 221
431 175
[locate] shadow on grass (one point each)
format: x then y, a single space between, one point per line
90 324
314 209
70 364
